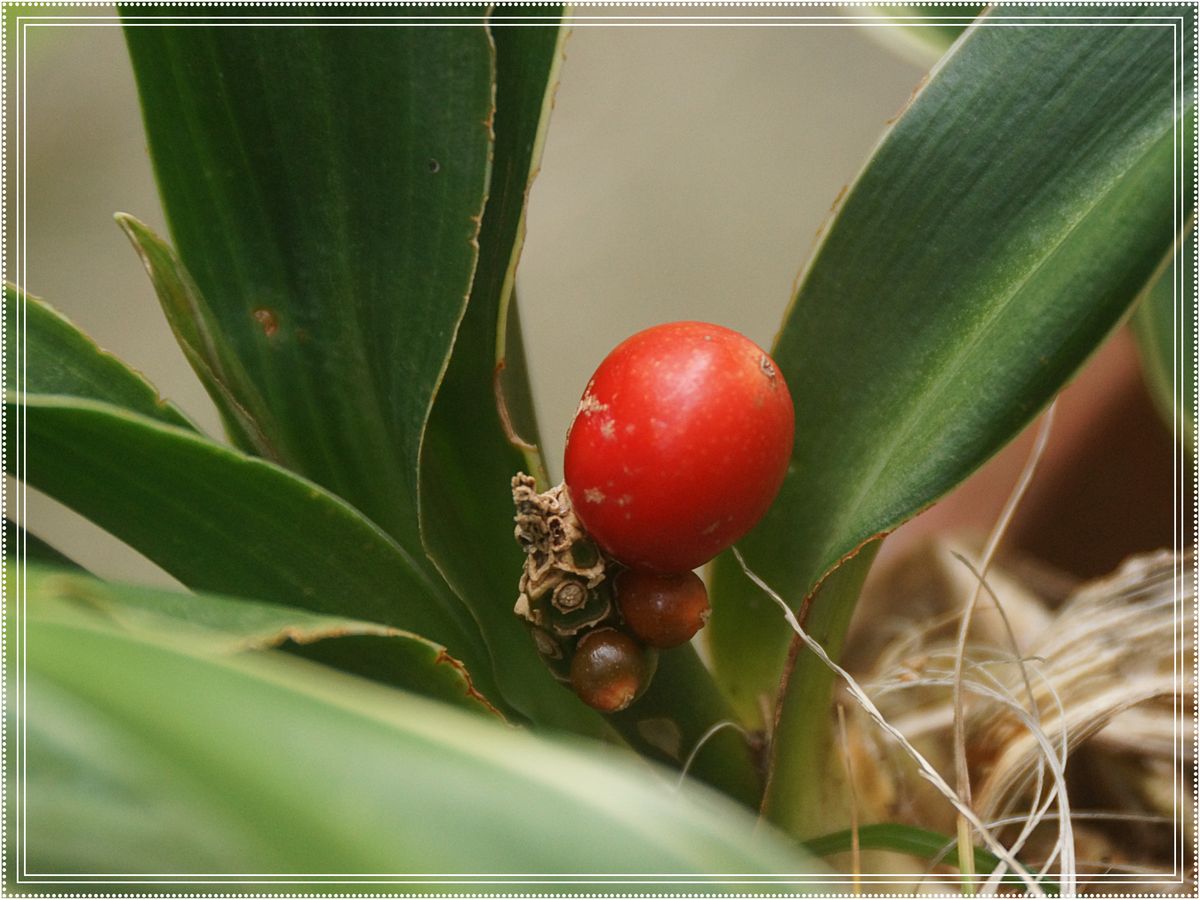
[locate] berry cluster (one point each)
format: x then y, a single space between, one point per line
679 445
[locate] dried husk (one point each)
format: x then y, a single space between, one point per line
1108 673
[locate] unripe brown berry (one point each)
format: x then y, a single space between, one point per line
609 670
662 610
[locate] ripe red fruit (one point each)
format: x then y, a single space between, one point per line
662 611
680 444
608 670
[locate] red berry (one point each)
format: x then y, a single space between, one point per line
608 670
679 446
662 611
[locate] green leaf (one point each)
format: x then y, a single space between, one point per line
924 33
324 186
796 794
919 842
683 712
52 356
268 764
63 362
240 404
995 237
227 523
467 462
1165 325
231 625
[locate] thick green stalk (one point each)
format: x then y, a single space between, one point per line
798 777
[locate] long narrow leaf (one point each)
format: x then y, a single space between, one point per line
468 462
47 354
240 404
228 626
1165 325
996 236
324 184
224 522
919 842
291 545
269 765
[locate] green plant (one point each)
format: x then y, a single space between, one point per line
346 209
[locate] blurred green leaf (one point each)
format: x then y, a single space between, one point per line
467 461
994 239
923 33
919 842
268 764
230 625
324 186
52 356
227 523
1165 325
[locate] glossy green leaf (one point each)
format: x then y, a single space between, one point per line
467 461
994 238
227 523
47 354
231 625
324 185
1165 325
266 764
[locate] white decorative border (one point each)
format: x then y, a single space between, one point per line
626 20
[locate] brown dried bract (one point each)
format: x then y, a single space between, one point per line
552 539
562 589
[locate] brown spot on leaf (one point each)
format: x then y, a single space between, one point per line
266 320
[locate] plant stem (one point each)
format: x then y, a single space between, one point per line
801 749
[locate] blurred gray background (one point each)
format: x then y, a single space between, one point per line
685 175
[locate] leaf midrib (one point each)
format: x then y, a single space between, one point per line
944 376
